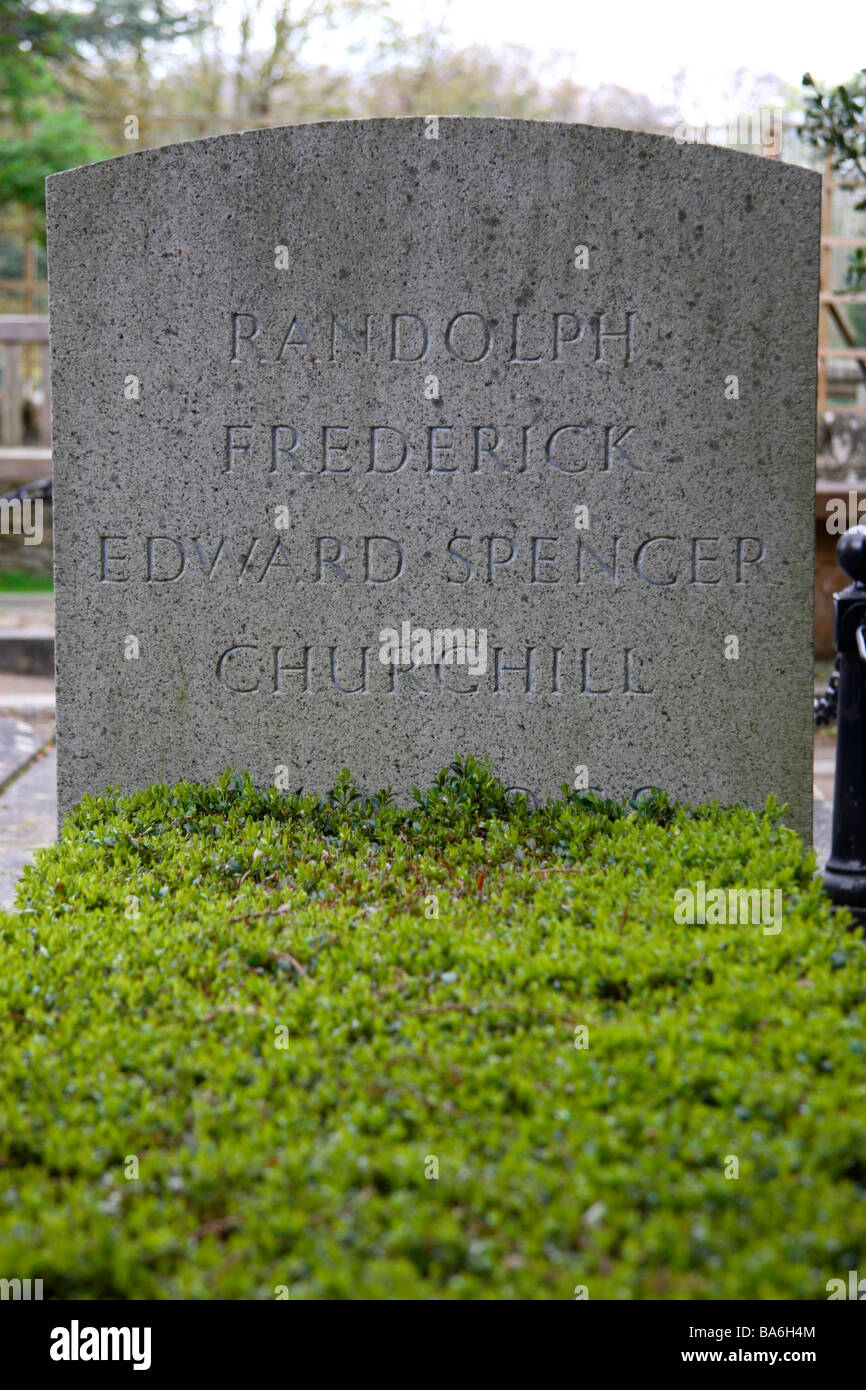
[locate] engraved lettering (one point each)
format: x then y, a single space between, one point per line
548 448
274 563
293 342
152 542
397 334
638 562
585 687
360 345
234 446
515 343
223 677
611 444
371 578
104 576
603 335
492 562
332 561
698 559
743 559
363 688
434 448
283 449
539 559
461 559
527 670
487 449
610 570
329 445
378 432
281 669
244 329
486 337
559 338
628 688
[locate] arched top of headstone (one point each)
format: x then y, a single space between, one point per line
390 148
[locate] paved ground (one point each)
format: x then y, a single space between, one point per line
28 811
27 763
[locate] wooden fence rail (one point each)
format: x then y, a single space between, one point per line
25 391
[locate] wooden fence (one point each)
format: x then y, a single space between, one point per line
831 312
25 398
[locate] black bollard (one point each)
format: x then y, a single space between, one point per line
845 870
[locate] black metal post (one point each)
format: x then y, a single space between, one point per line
845 870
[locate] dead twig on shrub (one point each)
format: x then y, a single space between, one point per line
500 1004
229 1009
290 960
266 912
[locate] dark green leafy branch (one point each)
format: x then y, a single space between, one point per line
834 122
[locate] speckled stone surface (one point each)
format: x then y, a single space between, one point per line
263 321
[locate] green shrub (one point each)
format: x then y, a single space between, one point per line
161 947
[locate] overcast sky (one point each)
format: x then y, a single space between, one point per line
644 44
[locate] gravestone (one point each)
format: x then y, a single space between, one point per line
381 442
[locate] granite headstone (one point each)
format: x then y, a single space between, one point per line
381 442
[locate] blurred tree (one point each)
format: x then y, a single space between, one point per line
387 71
43 127
28 39
112 59
257 81
834 122
230 80
51 140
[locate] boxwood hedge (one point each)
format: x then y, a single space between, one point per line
257 1045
